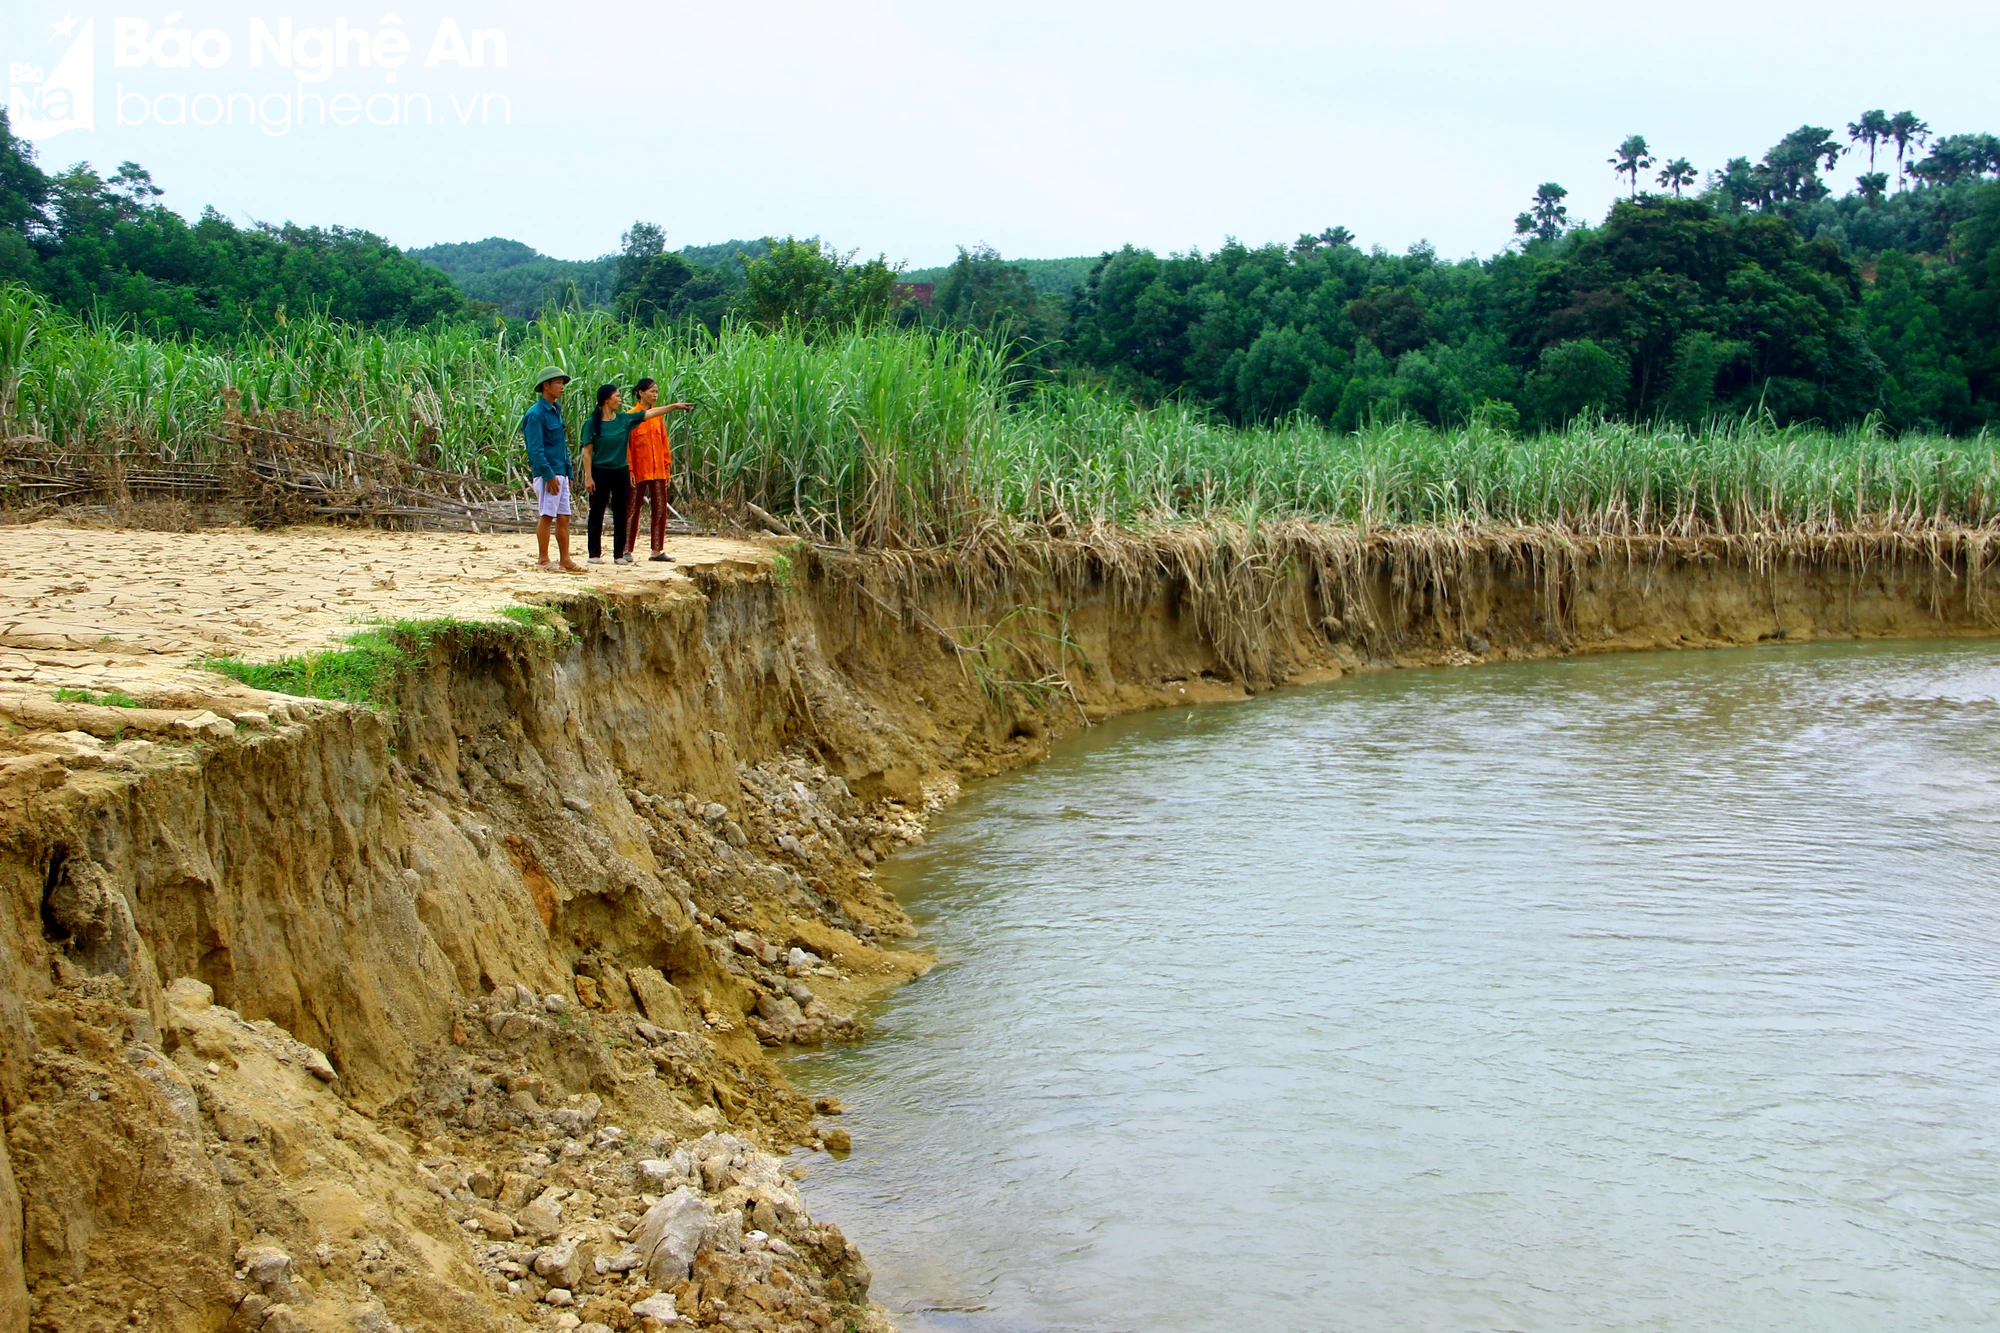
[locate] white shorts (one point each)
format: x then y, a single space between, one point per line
550 506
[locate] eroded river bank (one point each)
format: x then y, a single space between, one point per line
457 1009
1628 992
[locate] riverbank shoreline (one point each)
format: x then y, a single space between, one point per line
360 993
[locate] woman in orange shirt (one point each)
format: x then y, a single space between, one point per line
652 463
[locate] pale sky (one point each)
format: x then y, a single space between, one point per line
1041 127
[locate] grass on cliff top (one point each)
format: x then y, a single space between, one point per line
369 664
108 699
362 671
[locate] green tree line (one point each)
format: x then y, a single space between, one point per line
109 247
1757 288
1763 291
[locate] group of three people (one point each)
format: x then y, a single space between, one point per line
627 462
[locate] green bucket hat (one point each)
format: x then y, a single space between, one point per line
549 373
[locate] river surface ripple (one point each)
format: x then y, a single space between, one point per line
1635 992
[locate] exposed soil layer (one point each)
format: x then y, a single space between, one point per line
456 1015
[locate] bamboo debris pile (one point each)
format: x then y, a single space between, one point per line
293 476
36 475
271 475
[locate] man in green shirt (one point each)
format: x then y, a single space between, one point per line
548 463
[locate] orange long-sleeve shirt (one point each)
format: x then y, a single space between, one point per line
651 451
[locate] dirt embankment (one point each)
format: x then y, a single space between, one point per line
456 1016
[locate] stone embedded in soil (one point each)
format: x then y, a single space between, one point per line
498 1226
756 946
780 1010
658 998
265 1265
206 725
281 1319
660 1306
516 1189
543 1217
564 1262
670 1235
189 994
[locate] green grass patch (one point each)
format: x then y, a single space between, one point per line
362 671
367 665
545 622
108 699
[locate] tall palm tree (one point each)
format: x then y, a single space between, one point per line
1549 216
1905 129
1632 157
1872 129
1677 173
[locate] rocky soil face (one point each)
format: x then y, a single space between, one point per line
458 1016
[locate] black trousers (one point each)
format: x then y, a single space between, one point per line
612 489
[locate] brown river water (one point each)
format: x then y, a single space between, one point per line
1634 992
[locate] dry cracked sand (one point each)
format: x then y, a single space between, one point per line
95 609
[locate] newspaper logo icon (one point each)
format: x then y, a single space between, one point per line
41 106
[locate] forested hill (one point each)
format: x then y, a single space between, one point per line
1766 292
1046 277
109 246
1759 288
1670 307
521 281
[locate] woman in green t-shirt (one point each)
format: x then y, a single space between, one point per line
606 474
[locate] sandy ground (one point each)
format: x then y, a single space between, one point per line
101 609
